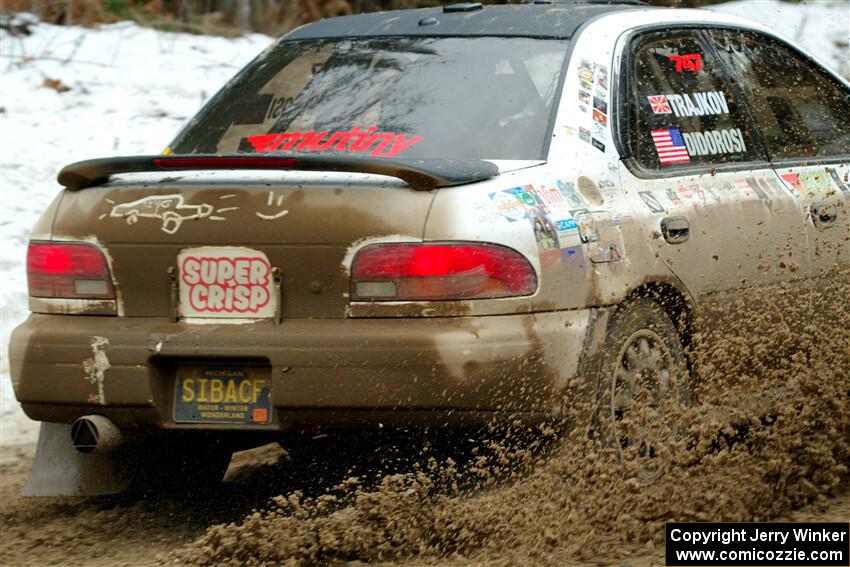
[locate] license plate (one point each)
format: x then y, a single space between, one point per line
223 395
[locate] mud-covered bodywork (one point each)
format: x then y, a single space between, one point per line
315 257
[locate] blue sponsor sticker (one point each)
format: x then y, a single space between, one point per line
567 224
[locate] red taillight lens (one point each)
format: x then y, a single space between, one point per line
411 272
68 270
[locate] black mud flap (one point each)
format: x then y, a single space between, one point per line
60 470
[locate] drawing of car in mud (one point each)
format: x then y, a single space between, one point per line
171 209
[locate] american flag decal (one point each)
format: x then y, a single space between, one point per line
659 104
670 146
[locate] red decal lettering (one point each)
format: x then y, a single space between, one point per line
286 142
263 142
312 142
399 144
361 141
356 140
226 285
687 62
384 139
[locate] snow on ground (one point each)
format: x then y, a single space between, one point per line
132 88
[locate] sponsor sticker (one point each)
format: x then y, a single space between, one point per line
277 106
810 184
673 196
566 225
587 229
597 130
379 144
568 190
687 62
510 203
545 233
592 99
843 184
225 282
651 202
601 75
600 117
549 196
590 191
585 75
600 105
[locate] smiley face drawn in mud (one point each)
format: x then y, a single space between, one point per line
274 208
170 209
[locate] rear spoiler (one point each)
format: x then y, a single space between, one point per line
421 174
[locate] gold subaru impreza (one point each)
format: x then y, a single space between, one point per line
425 219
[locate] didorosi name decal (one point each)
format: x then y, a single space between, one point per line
714 142
675 146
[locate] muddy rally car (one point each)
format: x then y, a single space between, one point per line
421 220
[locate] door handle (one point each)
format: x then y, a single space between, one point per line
823 214
675 229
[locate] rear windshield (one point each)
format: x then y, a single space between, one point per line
422 97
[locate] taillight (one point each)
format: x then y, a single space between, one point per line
68 270
445 271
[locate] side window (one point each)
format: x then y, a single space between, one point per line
800 110
682 112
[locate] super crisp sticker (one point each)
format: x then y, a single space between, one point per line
225 282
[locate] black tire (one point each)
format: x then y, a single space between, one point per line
643 387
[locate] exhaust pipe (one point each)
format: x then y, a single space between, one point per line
95 434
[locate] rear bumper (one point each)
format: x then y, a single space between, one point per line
351 372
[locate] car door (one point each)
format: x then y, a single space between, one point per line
803 115
696 172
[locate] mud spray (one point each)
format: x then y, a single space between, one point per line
767 430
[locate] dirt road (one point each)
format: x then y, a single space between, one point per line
118 532
765 437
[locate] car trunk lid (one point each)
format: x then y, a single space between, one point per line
302 223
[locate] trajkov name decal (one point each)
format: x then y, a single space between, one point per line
711 103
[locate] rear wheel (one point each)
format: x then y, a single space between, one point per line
643 387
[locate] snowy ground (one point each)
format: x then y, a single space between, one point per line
132 88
